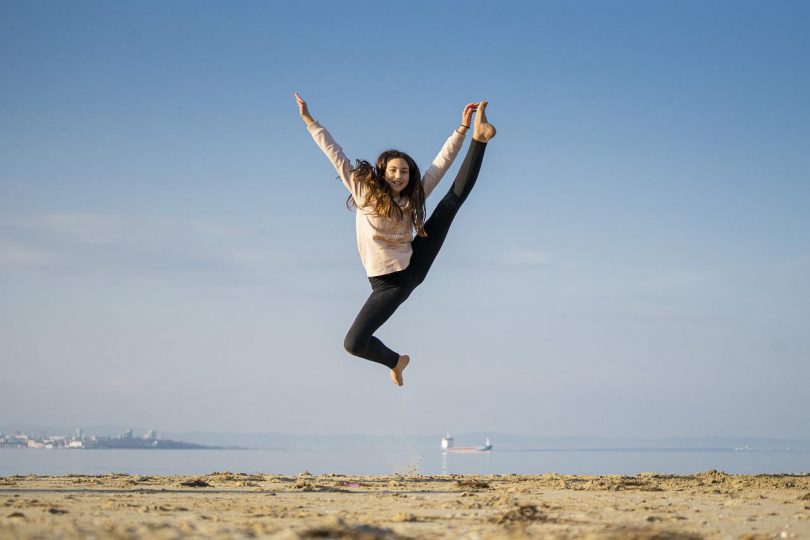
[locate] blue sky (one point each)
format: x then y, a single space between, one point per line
175 251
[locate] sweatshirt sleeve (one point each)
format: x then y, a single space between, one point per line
334 152
442 162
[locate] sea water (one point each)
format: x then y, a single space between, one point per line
404 461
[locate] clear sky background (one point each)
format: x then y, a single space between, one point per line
634 261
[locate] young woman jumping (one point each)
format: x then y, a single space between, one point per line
389 198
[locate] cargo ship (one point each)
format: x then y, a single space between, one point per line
449 446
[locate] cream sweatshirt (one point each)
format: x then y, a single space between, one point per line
384 243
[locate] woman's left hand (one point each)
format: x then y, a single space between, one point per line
466 115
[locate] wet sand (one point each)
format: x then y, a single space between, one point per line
235 505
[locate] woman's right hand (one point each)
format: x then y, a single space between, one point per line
303 110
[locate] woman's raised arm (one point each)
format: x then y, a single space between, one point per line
448 152
327 144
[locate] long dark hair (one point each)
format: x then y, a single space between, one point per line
379 196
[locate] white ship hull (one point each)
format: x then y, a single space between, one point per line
449 447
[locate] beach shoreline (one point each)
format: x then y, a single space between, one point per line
711 504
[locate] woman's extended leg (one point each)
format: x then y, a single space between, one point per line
425 249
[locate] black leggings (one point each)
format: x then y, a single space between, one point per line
390 290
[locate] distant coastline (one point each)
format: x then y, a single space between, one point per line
79 441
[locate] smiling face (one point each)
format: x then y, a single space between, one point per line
397 174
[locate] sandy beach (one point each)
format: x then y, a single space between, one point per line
234 505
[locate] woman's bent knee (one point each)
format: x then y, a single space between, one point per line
354 344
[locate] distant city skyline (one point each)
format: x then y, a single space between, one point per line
78 440
634 261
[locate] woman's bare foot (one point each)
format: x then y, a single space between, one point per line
396 373
483 130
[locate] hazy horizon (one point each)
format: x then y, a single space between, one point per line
175 251
222 435
365 441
